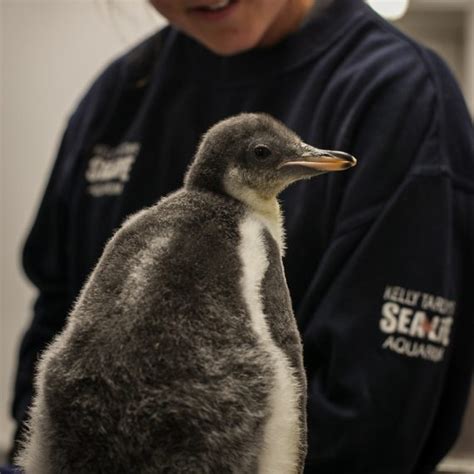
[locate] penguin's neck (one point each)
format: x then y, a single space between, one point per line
271 217
267 210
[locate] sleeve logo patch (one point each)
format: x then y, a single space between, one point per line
109 168
418 324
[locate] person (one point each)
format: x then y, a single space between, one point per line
379 259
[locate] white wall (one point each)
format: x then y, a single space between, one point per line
50 51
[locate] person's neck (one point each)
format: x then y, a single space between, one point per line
288 20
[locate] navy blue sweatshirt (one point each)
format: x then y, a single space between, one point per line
379 259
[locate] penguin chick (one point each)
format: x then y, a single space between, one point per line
181 354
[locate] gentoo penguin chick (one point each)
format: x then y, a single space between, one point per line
181 354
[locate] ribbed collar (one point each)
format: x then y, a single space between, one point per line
327 21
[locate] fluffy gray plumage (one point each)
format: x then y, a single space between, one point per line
160 368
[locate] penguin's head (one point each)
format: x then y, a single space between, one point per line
253 157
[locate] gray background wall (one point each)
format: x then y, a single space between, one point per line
49 52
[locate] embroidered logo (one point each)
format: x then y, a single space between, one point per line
109 168
417 324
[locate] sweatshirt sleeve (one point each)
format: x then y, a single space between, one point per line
387 322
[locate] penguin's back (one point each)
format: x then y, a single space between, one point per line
160 363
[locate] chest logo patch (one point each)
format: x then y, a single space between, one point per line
416 324
109 168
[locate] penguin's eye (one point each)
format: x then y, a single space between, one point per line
262 152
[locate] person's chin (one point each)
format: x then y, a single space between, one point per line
229 46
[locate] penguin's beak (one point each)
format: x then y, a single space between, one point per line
321 160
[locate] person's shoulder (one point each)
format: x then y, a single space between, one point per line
123 71
384 73
398 96
421 73
373 48
138 61
384 54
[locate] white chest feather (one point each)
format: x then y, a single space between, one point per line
267 210
281 436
